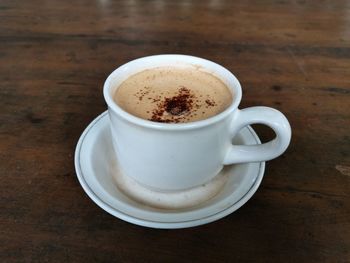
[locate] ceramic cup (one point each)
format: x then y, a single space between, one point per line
180 156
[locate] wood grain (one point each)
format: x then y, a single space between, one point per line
291 55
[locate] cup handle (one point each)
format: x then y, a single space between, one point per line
262 152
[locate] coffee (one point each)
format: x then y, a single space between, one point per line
173 95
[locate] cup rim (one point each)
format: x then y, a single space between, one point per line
237 96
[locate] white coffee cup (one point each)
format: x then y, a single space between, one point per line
180 156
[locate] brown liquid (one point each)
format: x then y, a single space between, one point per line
173 95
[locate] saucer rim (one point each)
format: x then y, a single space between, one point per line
160 224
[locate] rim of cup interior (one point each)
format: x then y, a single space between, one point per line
235 89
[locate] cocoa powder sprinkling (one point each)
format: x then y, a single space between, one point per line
178 108
174 108
210 103
142 93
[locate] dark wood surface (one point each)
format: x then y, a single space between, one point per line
291 55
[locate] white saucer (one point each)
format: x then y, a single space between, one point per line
94 156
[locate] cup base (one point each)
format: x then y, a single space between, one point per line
167 199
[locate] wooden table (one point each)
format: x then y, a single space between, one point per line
291 55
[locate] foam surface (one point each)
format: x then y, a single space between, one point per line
173 94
